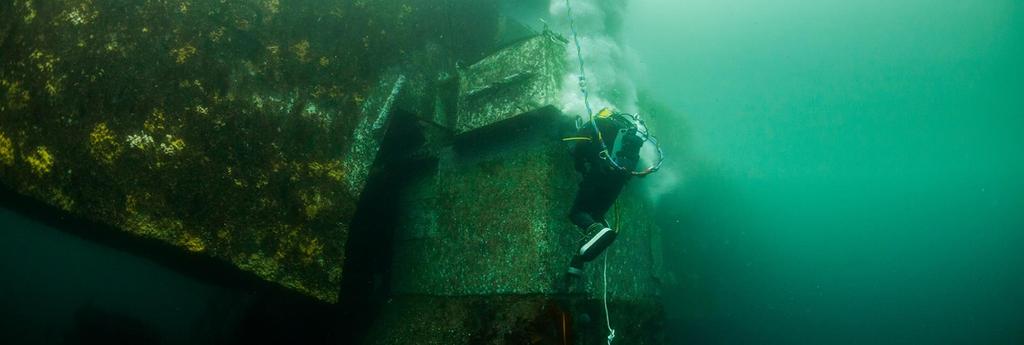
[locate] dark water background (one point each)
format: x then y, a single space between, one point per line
851 170
69 281
49 276
850 173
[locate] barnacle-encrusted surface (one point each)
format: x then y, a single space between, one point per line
501 199
514 320
247 130
513 81
228 128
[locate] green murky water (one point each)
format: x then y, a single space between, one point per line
846 172
851 170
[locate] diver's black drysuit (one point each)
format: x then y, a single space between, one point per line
601 183
597 193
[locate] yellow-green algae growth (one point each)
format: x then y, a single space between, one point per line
41 161
192 242
155 102
183 53
30 11
16 96
6 150
103 144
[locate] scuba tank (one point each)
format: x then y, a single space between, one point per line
628 142
621 137
630 135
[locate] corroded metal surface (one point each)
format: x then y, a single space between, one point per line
246 131
484 239
500 196
242 130
519 79
515 320
370 131
501 203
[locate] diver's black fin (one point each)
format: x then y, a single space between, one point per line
597 244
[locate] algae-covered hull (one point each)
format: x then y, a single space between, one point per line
249 131
230 129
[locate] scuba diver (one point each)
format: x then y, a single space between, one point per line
606 153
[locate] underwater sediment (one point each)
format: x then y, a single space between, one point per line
248 131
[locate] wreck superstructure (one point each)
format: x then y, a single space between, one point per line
251 132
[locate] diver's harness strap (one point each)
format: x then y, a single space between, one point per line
627 121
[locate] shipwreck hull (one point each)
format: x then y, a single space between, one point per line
243 131
259 133
482 239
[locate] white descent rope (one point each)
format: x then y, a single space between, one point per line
607 318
